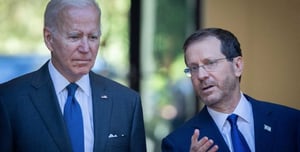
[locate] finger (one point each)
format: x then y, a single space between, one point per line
214 148
195 136
205 144
194 141
203 141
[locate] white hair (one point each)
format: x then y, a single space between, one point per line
55 7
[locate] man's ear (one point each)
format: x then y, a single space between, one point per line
48 38
238 65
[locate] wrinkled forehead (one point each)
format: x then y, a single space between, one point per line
73 16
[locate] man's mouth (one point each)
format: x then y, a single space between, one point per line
207 87
81 61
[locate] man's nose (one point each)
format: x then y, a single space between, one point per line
84 45
202 73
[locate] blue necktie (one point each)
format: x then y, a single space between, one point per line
238 141
73 119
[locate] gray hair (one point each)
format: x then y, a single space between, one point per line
55 7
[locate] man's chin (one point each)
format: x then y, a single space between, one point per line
79 74
208 99
83 70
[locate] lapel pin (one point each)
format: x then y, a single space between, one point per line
268 128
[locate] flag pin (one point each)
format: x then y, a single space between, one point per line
268 128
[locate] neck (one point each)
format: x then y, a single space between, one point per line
228 103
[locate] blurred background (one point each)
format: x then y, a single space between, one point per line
141 47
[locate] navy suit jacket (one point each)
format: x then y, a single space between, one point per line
282 136
31 119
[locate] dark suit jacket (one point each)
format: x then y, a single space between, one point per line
283 136
31 119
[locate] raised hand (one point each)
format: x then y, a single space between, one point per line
203 145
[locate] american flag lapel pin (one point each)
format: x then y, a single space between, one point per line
268 128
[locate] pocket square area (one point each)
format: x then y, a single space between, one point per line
115 135
112 135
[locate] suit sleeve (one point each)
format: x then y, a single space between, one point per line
167 146
137 139
298 134
5 129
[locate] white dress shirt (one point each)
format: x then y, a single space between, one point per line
84 97
245 123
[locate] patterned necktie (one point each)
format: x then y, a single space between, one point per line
73 119
238 141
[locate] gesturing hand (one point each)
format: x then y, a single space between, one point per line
203 145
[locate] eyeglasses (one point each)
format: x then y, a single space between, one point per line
210 66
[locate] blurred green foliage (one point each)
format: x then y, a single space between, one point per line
169 96
21 26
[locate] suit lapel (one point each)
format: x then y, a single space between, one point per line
46 103
102 105
208 128
264 126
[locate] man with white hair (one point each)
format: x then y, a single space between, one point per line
64 106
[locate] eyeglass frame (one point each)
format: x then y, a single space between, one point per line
188 71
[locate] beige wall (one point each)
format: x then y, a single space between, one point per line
269 33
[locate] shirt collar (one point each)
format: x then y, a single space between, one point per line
84 84
60 82
243 110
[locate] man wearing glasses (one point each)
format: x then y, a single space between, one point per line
230 120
